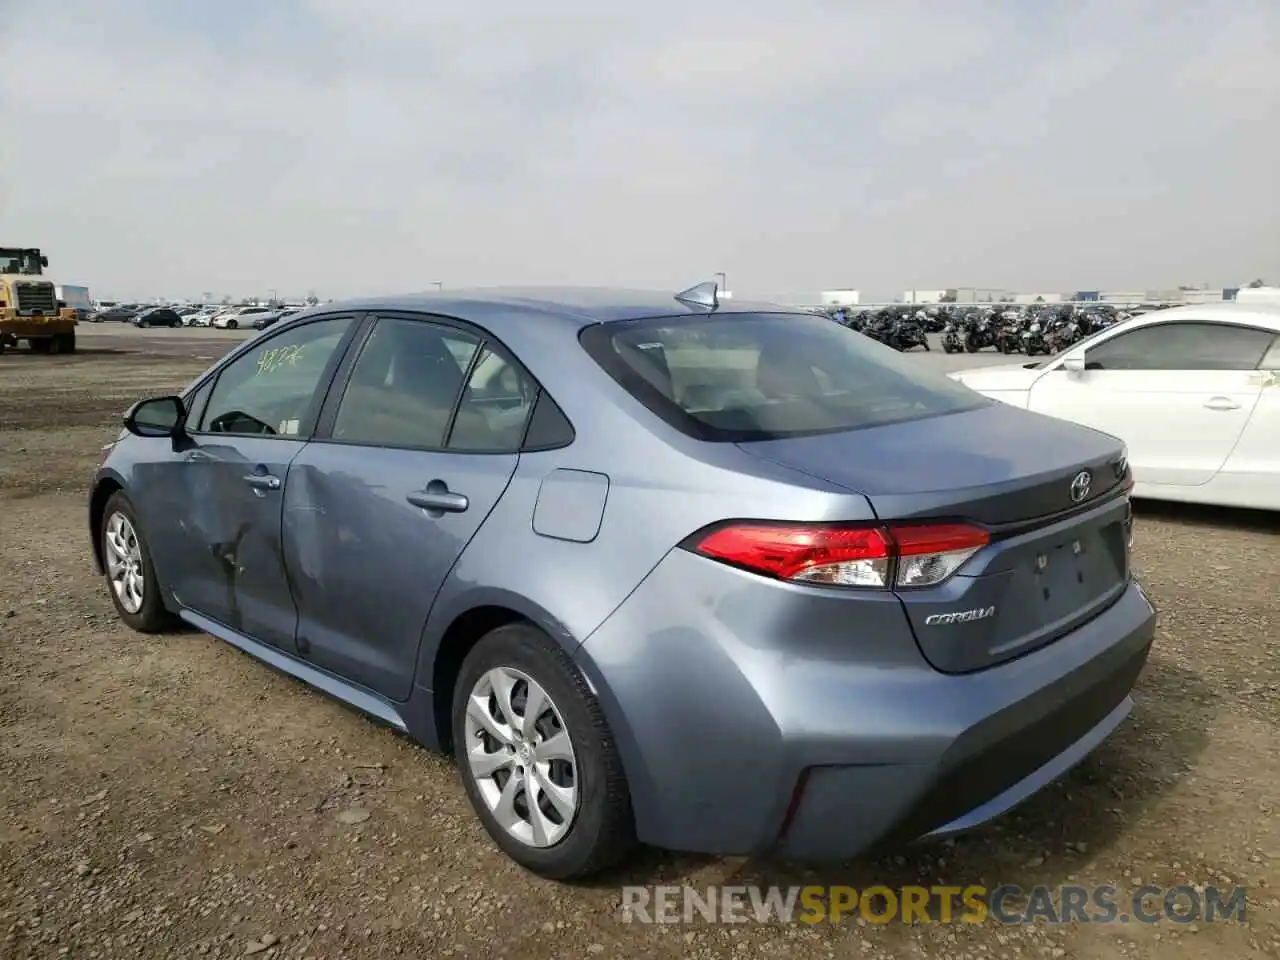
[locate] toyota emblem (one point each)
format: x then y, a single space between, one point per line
1080 486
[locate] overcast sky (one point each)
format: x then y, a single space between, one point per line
173 147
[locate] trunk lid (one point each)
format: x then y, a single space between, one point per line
1054 562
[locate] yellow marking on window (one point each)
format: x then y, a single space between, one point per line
276 358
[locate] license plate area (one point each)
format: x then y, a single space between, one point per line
1064 573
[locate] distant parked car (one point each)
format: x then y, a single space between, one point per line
238 317
722 578
121 313
263 320
202 317
158 317
82 313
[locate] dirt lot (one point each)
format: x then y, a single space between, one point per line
169 797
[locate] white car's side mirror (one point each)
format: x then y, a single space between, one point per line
1073 365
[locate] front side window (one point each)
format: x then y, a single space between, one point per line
1182 346
195 400
404 385
271 388
739 377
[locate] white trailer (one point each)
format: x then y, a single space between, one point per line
76 297
1258 295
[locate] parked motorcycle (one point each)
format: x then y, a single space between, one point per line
1033 342
1009 332
877 327
980 334
953 336
905 333
1062 334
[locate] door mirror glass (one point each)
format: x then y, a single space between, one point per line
1073 364
158 417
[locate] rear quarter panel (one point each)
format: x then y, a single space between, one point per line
1251 475
657 496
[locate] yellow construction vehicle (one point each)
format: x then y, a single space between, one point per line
29 304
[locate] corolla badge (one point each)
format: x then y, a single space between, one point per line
1080 486
962 616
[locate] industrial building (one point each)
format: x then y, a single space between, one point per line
958 295
840 298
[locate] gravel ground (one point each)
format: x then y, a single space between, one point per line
170 797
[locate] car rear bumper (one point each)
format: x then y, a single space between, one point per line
758 717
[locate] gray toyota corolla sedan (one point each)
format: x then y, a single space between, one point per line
713 576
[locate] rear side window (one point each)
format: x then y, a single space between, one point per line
740 377
495 406
1272 360
405 385
548 428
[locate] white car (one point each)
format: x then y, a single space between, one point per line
1193 391
238 317
202 317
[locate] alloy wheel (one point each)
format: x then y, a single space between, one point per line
124 562
521 758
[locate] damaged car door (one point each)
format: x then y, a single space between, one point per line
231 468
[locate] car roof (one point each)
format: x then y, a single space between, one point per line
574 306
1226 311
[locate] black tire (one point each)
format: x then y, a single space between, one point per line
232 325
602 832
40 345
151 616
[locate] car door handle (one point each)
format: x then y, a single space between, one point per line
262 481
1221 403
444 500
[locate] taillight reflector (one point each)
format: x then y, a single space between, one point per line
899 555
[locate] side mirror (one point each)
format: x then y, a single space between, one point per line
1074 365
157 417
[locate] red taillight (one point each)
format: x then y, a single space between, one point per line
906 555
814 554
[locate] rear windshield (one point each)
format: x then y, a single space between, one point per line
740 377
